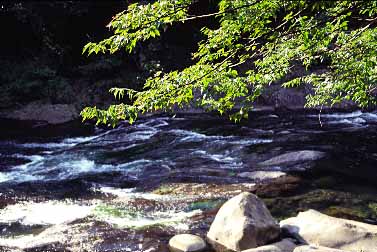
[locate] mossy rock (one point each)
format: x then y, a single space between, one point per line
163 190
325 182
206 204
115 211
347 212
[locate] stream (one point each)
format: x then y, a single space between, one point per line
133 187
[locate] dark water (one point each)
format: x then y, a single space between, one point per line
133 187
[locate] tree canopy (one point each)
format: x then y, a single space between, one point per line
334 42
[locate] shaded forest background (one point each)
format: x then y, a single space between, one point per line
41 60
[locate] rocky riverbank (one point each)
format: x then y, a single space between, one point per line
243 223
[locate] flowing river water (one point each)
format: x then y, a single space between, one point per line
133 187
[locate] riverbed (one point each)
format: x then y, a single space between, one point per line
133 187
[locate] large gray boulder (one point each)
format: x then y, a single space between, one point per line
286 245
313 227
311 248
49 113
293 158
243 222
186 243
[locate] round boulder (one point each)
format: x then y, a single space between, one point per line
186 243
313 227
243 222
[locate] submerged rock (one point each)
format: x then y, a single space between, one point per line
243 222
286 245
293 158
311 248
187 243
313 227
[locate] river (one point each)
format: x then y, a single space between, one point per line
131 188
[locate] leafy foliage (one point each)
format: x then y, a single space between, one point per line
269 37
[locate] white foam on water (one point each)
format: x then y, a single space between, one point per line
370 117
156 122
50 169
188 136
44 213
39 170
46 145
130 193
224 160
200 152
133 167
250 141
141 135
78 167
359 120
166 218
127 147
221 158
4 177
17 177
77 140
340 115
356 118
140 219
65 143
33 158
161 124
353 121
21 173
81 166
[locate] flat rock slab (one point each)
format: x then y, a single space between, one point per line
293 158
311 248
313 227
286 245
243 222
186 243
262 175
50 113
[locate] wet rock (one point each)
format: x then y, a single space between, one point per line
286 200
204 190
292 98
254 224
17 228
8 162
360 214
53 247
285 132
109 238
311 248
293 158
278 186
262 175
286 245
4 249
50 113
313 227
187 243
154 245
